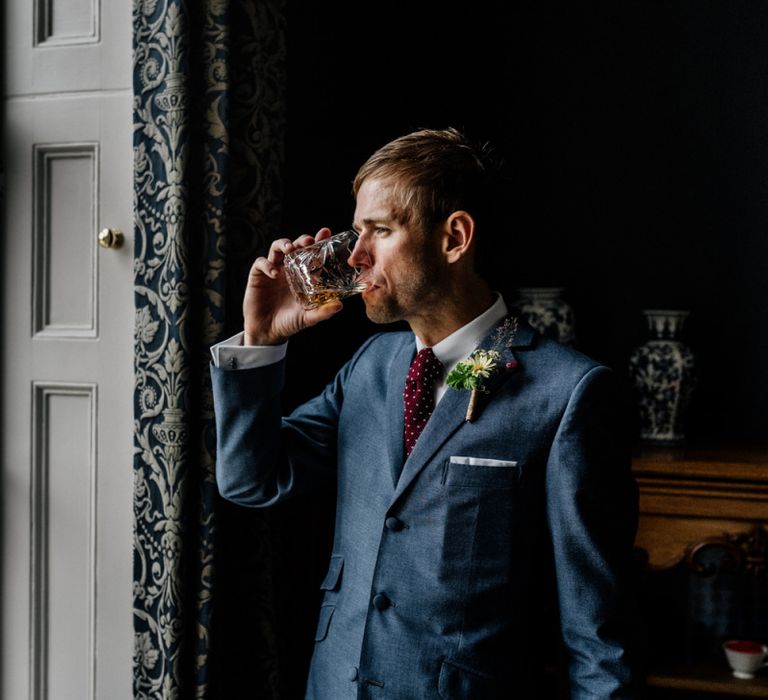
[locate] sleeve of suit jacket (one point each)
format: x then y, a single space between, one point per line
592 515
262 457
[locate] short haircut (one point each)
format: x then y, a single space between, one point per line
433 173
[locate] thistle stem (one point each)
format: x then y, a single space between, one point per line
471 405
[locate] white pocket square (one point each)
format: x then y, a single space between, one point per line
481 462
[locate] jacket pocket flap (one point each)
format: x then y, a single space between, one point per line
331 580
324 621
459 681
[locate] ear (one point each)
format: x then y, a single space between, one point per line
459 235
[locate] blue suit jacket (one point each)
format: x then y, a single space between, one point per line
435 580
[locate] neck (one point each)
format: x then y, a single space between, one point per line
455 308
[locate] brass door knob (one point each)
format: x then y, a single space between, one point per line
110 238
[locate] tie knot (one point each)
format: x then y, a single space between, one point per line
425 368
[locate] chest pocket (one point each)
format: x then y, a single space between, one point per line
477 472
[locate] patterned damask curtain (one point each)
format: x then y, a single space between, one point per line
209 115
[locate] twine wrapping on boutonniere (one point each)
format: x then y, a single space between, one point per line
469 374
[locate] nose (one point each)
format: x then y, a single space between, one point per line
360 255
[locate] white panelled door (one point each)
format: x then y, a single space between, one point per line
67 341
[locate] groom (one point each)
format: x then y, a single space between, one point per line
450 521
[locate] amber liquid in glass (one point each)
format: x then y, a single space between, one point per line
320 295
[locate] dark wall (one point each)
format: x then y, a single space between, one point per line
637 134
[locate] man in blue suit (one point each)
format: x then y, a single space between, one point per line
451 522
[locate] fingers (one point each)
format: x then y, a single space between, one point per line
280 247
277 251
303 242
262 266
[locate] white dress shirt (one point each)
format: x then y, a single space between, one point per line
232 354
459 345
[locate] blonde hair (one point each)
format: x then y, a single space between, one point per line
433 173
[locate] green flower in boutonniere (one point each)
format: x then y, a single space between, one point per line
468 375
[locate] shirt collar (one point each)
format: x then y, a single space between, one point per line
460 344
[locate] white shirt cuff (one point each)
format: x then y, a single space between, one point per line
232 354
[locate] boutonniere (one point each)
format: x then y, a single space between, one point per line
469 374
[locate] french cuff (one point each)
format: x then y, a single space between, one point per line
232 354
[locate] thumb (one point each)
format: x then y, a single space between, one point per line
322 313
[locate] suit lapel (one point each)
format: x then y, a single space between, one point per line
398 371
447 418
450 413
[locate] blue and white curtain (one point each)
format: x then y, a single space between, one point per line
209 117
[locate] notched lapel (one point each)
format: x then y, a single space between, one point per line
446 419
450 413
508 364
398 371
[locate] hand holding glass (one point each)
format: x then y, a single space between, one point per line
320 272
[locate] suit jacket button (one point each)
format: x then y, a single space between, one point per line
394 524
352 673
381 602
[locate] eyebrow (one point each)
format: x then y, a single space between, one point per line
370 222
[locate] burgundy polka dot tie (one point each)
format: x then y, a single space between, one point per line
419 395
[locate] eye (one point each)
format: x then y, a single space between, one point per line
381 231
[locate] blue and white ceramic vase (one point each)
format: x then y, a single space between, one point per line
663 373
548 312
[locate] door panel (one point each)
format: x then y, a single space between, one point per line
65 281
67 46
64 567
67 353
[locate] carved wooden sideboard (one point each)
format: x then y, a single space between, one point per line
693 501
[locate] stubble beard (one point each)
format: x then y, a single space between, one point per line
415 292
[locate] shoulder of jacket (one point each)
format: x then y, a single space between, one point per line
564 354
563 366
381 344
387 341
